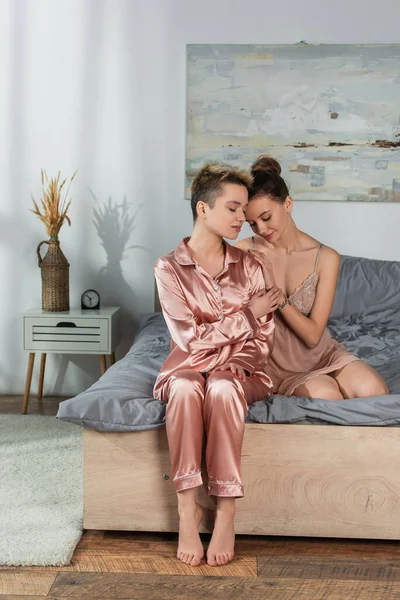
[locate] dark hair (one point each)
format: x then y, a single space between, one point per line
208 182
267 180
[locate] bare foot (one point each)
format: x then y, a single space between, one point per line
222 544
190 548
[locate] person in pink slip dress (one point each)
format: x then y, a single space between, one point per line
220 318
306 360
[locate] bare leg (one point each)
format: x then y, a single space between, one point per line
323 386
222 544
190 548
359 380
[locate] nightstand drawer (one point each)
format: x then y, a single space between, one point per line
59 334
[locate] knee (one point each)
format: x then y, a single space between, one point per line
221 384
373 385
222 391
324 391
383 389
328 393
184 383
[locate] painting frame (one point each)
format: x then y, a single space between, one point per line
329 113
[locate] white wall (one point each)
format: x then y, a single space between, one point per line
99 85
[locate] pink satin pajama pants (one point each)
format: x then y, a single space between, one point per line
213 408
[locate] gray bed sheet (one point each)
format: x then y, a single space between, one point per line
122 398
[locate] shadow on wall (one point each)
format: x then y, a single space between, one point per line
115 223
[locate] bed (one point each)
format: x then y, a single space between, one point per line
310 468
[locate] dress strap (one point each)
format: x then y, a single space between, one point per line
317 259
253 241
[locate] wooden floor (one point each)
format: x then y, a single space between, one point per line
122 565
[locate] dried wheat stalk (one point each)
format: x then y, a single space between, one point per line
55 203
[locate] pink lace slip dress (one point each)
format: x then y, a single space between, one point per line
292 363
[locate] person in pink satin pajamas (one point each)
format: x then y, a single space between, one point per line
220 319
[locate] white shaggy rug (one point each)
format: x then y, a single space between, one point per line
41 509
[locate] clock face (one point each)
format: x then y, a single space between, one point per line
90 299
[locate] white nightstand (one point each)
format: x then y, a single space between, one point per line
70 332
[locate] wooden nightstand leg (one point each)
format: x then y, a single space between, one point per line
112 358
41 376
28 382
103 363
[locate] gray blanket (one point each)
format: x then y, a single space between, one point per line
122 399
365 318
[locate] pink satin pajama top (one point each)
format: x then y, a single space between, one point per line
208 318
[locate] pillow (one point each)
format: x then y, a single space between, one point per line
369 289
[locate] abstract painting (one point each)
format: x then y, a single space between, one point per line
329 113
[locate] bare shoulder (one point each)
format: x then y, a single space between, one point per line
329 259
244 244
329 255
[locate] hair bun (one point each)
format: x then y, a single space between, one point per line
265 163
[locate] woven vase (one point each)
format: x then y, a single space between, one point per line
55 277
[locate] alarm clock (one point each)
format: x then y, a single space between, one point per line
90 300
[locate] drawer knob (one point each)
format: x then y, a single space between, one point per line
65 324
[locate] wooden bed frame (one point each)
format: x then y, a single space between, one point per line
300 480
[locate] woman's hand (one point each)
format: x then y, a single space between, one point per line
264 303
265 266
238 371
